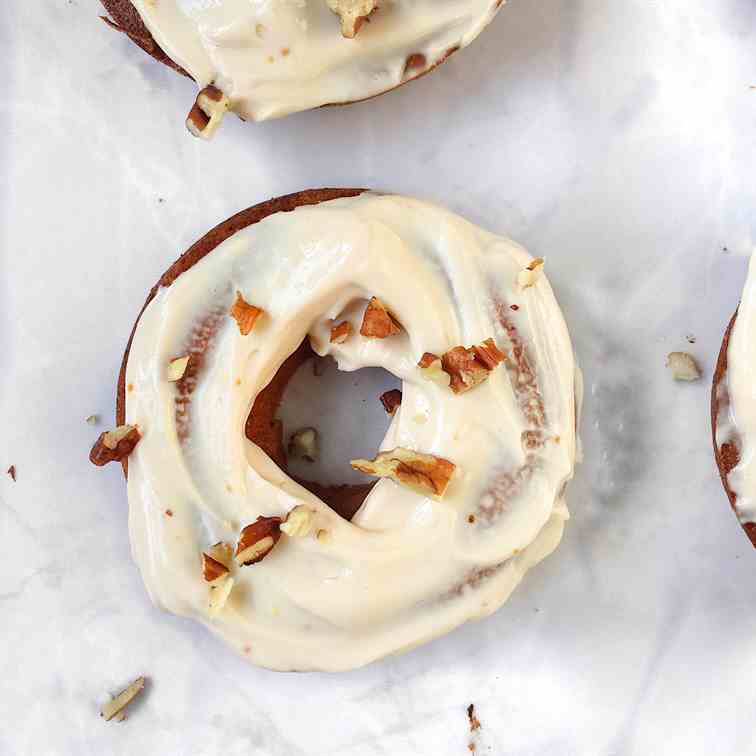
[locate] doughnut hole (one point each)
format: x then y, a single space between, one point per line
344 408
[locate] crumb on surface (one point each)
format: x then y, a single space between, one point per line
12 472
169 513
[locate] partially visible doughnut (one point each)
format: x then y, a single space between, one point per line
329 593
733 409
272 59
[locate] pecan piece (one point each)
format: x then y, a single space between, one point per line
303 444
257 540
432 369
378 322
341 332
468 368
177 368
299 522
213 571
527 277
115 445
114 708
683 366
207 112
244 314
353 14
425 473
391 400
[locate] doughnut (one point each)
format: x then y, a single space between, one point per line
467 490
266 60
733 409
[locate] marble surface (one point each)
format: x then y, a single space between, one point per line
617 138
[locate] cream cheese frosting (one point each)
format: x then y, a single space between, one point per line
740 411
408 567
274 57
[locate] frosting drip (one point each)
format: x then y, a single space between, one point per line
406 568
274 57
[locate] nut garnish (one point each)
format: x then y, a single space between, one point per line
432 369
257 540
115 445
353 13
12 472
299 522
528 276
683 366
92 419
341 332
207 112
391 400
303 444
468 368
424 473
219 594
244 314
117 705
222 552
212 570
378 322
177 368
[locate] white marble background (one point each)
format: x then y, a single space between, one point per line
617 138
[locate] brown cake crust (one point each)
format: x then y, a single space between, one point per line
728 454
262 428
126 19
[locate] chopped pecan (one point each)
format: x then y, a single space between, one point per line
115 445
257 540
425 473
353 13
528 276
219 593
177 368
115 707
244 314
341 332
391 400
378 322
299 522
303 444
468 368
207 112
213 571
683 366
432 369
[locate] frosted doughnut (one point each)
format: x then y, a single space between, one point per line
278 57
333 594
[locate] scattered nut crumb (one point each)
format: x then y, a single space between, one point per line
118 704
690 338
207 112
527 277
474 721
299 522
353 13
244 314
391 400
92 419
432 369
169 513
683 366
514 307
471 519
303 444
115 445
468 368
341 332
424 473
12 472
378 322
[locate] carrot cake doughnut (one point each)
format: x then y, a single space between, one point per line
733 408
265 60
471 474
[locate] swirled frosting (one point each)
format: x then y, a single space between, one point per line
408 567
741 409
273 57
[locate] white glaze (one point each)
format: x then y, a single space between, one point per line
336 605
274 57
740 422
